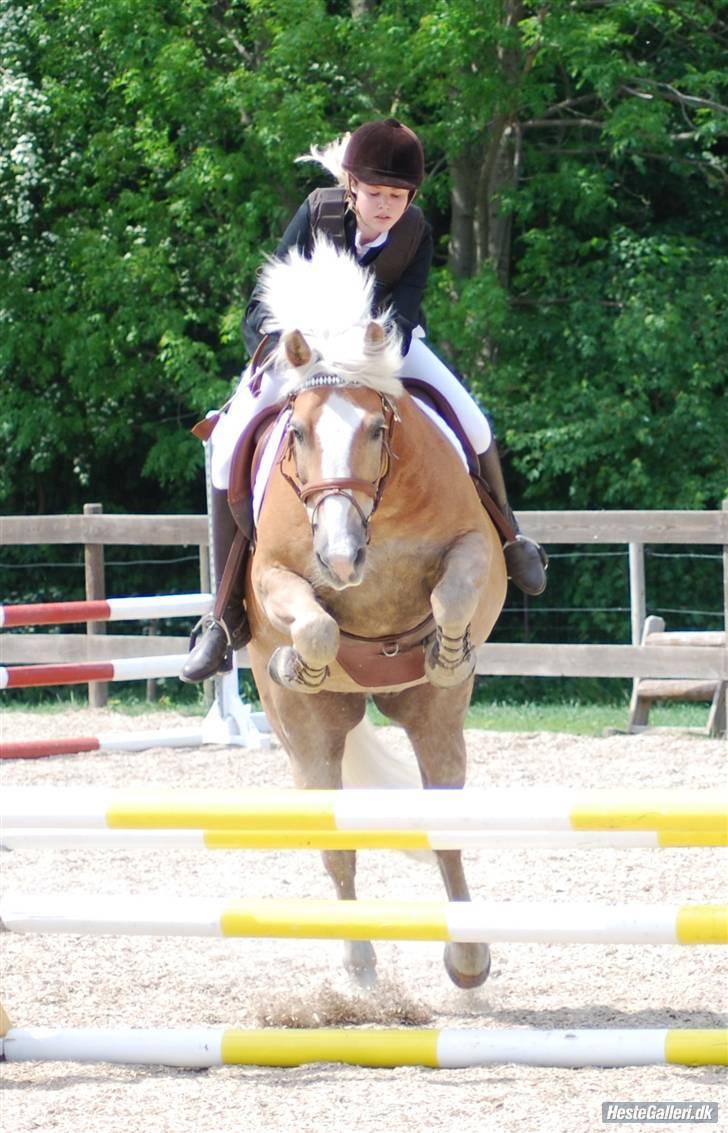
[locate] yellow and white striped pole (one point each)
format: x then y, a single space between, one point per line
444 1049
459 921
74 838
534 808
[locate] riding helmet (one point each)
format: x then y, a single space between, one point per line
385 153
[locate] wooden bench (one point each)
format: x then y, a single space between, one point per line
647 690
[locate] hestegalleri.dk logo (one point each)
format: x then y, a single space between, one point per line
662 1112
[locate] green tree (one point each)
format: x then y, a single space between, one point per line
147 164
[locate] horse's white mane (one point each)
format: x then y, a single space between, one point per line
328 298
330 156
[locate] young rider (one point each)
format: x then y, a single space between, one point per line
371 215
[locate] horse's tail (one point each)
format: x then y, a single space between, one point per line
368 763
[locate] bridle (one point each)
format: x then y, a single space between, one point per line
341 485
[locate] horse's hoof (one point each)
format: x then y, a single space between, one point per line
360 961
287 668
468 965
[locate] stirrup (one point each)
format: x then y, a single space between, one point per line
206 622
527 565
532 543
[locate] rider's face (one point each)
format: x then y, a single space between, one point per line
378 207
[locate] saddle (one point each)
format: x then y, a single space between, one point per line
246 458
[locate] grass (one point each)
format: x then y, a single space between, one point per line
573 717
579 719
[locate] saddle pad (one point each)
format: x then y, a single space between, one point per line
267 461
444 428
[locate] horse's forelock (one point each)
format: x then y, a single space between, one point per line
328 298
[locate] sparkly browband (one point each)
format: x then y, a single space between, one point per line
324 379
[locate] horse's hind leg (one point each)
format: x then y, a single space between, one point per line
433 720
314 731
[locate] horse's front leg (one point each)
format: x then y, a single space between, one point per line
433 720
450 657
291 606
314 733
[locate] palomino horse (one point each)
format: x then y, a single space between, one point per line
370 528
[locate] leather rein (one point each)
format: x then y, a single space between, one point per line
341 485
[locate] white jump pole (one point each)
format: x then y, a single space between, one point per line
150 607
459 921
450 1048
28 838
528 808
129 669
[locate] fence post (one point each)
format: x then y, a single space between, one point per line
208 583
637 594
93 557
725 582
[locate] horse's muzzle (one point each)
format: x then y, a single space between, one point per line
343 568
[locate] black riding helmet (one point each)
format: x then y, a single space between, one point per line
385 153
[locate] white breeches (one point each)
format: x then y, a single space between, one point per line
418 362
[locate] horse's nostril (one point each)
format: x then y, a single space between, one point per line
359 557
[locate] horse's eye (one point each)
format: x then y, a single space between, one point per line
296 432
378 430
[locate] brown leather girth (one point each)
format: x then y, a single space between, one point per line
380 662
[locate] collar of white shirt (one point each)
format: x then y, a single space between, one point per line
363 248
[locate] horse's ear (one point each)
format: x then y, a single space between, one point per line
374 338
297 349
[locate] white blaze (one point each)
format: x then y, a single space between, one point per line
336 428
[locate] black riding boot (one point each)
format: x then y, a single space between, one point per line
214 639
526 561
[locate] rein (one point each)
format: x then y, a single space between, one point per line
342 485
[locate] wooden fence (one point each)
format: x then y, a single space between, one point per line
94 531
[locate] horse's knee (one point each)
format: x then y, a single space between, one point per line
455 597
316 638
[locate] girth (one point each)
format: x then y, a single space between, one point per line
393 659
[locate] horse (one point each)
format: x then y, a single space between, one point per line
376 570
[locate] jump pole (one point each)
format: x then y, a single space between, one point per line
105 610
502 808
129 669
229 721
112 741
41 838
459 921
449 1048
